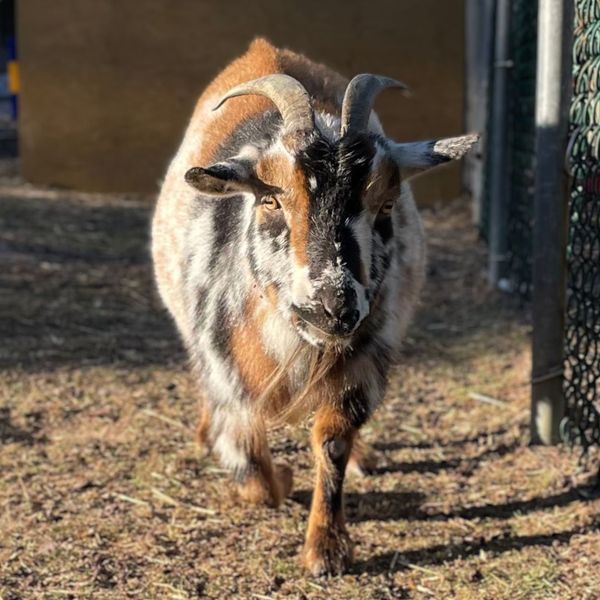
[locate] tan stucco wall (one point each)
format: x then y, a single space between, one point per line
108 85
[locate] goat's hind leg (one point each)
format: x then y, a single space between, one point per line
203 426
241 445
363 458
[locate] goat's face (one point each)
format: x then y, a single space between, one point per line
321 230
333 221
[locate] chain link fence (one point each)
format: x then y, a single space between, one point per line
581 425
582 334
520 139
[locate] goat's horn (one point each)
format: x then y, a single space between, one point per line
359 98
289 96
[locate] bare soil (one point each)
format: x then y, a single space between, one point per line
104 494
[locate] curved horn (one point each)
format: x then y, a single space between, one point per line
359 98
289 96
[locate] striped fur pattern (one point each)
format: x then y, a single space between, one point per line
291 275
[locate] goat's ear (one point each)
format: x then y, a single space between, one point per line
416 157
227 179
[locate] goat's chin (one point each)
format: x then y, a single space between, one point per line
320 339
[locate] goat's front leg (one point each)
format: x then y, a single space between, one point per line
259 480
328 549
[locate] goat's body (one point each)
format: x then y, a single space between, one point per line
206 262
201 255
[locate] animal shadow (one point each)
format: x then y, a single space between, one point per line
373 506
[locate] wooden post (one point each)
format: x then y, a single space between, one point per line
553 95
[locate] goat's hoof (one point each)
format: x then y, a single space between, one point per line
363 459
258 491
285 479
328 552
363 465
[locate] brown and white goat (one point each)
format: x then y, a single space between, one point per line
288 248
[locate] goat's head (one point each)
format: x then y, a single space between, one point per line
321 232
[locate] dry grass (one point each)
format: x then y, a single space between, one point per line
104 495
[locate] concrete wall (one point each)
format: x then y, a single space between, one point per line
108 85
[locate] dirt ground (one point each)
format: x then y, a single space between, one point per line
103 493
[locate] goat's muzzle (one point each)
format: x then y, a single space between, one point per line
333 314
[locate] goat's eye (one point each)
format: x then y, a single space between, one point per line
270 202
386 208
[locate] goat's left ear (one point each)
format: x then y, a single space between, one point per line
227 179
416 157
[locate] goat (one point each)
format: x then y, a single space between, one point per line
289 251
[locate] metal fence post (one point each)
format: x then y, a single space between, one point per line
553 93
499 164
479 37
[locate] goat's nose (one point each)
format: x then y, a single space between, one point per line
337 310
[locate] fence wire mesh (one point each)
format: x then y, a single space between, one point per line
582 334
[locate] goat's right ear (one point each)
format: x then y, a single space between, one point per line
226 179
416 157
